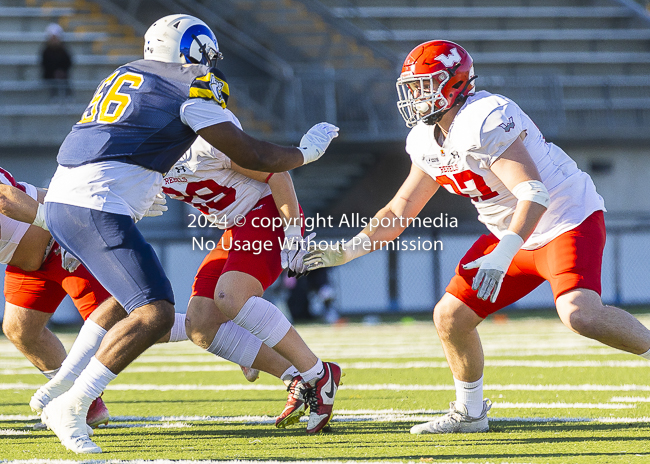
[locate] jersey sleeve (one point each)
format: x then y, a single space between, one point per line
211 86
414 146
499 130
198 114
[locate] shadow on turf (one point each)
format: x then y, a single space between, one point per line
189 400
513 427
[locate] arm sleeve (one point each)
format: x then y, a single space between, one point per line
199 113
499 129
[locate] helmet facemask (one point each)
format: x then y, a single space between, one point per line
209 55
420 97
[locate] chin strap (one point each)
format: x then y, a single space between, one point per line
434 118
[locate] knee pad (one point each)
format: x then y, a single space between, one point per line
235 344
264 320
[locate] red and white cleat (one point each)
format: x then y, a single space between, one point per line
97 414
295 407
320 397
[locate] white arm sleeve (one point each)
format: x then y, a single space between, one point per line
198 114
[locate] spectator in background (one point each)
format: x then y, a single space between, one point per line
56 62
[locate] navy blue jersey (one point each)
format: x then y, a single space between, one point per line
134 116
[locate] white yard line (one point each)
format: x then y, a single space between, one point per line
368 387
631 399
224 366
7 432
339 416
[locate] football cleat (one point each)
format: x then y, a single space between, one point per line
251 374
47 393
295 407
320 397
65 416
97 413
456 421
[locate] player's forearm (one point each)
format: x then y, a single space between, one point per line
17 205
525 218
249 152
275 158
284 196
385 227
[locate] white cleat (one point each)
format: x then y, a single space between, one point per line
456 421
66 417
47 393
82 445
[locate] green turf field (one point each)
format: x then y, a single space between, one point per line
558 398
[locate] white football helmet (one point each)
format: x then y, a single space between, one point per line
181 39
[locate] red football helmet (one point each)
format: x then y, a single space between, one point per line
434 75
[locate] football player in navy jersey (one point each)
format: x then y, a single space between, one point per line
140 121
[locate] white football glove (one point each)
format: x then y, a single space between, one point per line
492 267
293 250
158 207
338 253
68 262
314 143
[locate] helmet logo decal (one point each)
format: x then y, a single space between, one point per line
451 59
506 126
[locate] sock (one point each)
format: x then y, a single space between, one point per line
645 355
313 374
178 333
471 395
50 374
264 320
84 347
235 344
289 374
91 382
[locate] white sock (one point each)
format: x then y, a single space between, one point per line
645 355
264 320
84 347
471 395
289 374
314 373
178 333
91 382
235 344
50 374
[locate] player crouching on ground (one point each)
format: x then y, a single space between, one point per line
544 216
252 207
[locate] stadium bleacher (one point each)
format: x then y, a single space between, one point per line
580 68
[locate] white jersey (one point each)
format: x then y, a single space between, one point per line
203 178
12 231
482 130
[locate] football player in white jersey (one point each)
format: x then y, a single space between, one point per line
544 216
262 221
